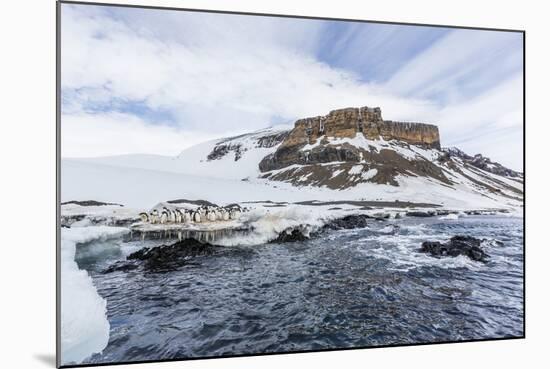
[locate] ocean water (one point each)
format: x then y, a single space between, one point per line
349 288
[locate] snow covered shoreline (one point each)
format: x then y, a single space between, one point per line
85 329
225 172
84 325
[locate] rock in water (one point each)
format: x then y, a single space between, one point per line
292 236
166 257
457 245
420 214
348 222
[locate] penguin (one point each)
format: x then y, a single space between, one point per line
235 214
187 216
197 217
179 216
218 214
154 216
172 215
163 217
144 217
168 214
225 214
211 215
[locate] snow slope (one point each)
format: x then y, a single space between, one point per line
194 160
226 170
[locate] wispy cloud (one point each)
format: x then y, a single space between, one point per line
177 78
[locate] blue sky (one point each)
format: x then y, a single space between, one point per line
156 81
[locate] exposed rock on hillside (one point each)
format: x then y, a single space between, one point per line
350 146
233 144
481 162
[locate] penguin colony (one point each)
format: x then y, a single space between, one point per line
200 215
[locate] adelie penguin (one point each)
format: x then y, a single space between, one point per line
168 215
144 217
187 216
179 216
164 217
211 215
235 214
154 216
225 214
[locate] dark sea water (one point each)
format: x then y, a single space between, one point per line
350 288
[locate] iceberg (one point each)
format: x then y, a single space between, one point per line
84 324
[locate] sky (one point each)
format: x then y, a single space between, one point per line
159 81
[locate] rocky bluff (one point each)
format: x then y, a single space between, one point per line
345 123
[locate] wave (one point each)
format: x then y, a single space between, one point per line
267 225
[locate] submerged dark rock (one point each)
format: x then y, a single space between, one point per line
121 266
457 245
164 257
420 214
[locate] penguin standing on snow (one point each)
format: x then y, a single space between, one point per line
144 217
235 213
178 216
197 217
211 215
225 214
187 216
168 214
164 217
154 216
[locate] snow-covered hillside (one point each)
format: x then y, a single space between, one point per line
228 170
226 158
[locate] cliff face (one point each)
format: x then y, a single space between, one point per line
349 122
345 123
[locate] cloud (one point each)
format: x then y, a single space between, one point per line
460 65
103 134
200 75
490 124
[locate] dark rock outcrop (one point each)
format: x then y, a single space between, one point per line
348 222
420 214
234 145
220 151
481 162
331 151
89 203
272 140
345 123
164 257
457 245
293 235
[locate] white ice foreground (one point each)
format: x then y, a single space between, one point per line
84 324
